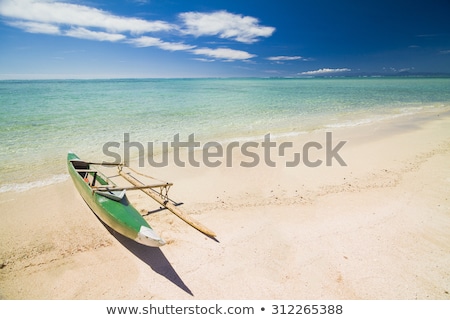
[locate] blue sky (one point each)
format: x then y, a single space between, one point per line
200 38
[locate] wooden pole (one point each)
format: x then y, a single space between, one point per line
115 188
180 214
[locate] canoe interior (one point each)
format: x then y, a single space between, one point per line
94 177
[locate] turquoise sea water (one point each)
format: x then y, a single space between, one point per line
40 121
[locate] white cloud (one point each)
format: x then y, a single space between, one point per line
83 33
285 58
36 27
84 22
392 69
224 53
61 13
204 59
325 71
145 41
226 25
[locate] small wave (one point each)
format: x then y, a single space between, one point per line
276 135
21 187
400 112
354 123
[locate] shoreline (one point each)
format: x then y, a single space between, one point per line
374 229
277 135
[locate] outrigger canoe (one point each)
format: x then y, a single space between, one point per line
110 203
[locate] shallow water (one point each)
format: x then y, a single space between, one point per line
40 121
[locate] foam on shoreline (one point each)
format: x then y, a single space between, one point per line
21 187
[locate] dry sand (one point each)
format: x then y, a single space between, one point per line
378 228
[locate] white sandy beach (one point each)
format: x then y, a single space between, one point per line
378 228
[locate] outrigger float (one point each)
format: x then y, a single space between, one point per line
111 205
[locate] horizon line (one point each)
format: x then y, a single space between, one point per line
28 77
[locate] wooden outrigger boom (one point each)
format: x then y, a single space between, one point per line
147 189
114 188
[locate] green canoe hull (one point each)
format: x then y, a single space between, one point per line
119 215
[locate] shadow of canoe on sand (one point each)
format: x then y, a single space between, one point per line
153 257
